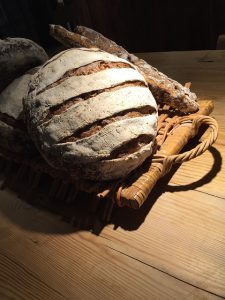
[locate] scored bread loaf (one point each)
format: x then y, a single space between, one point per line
164 89
13 132
91 114
17 55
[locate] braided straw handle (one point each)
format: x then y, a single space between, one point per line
136 194
197 121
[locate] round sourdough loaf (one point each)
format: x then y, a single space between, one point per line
17 55
13 132
91 114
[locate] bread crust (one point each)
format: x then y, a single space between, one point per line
17 55
83 115
13 132
164 89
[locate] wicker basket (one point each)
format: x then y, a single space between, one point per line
30 177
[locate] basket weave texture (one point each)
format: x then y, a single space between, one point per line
174 132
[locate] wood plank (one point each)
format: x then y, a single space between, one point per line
32 221
219 115
208 176
174 250
73 265
205 69
183 235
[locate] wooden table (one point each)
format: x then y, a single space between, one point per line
175 248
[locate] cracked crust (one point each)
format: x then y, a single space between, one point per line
13 133
17 55
91 114
163 88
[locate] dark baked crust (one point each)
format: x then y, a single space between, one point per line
16 140
13 132
17 55
163 88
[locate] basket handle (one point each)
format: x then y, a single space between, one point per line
197 121
135 195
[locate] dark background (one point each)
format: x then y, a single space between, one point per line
139 26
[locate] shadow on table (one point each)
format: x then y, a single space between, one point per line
84 213
130 219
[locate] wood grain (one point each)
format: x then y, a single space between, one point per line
205 69
183 235
172 248
74 265
209 175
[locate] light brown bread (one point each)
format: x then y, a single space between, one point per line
91 114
